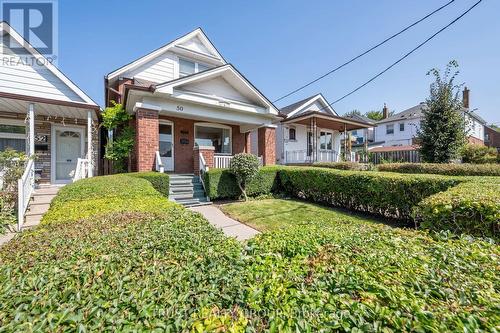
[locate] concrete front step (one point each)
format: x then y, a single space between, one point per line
193 202
37 209
192 195
180 189
42 198
47 190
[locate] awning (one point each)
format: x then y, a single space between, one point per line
327 121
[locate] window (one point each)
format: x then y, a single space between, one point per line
354 133
402 127
389 129
187 67
12 137
213 135
291 134
325 141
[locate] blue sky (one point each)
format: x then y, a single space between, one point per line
280 45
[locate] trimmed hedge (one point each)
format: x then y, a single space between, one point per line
443 169
344 166
472 207
102 195
159 181
385 194
221 183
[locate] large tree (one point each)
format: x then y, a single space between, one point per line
442 130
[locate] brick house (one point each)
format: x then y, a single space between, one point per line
191 109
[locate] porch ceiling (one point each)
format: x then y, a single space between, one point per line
14 105
327 121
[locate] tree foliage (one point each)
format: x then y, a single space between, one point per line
442 131
245 168
118 148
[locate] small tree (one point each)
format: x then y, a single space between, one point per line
244 167
442 131
121 139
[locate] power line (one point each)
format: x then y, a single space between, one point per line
405 56
365 52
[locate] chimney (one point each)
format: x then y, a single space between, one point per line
385 112
465 98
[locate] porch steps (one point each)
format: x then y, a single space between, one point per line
39 204
187 190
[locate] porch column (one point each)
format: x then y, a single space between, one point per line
89 144
248 143
345 142
147 138
31 116
208 154
267 145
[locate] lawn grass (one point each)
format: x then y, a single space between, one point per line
274 214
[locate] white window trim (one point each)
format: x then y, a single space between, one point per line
404 127
13 122
196 63
171 123
326 131
387 128
215 125
288 128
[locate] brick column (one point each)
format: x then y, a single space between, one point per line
208 154
248 143
147 138
267 145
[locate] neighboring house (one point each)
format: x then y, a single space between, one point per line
191 107
360 137
312 132
491 137
401 128
43 113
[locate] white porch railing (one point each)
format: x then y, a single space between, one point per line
222 161
82 169
203 169
25 188
160 167
303 156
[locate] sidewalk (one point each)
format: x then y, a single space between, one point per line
230 227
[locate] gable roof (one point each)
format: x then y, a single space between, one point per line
5 28
198 33
413 112
291 109
228 70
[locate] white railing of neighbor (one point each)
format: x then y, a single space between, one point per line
82 169
203 169
159 164
327 156
222 161
302 156
261 161
25 188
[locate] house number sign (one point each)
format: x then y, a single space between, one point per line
180 108
40 138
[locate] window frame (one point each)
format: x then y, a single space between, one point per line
391 126
215 125
326 133
401 124
196 66
290 129
14 136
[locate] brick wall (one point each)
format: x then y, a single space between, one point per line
147 139
267 145
208 156
475 141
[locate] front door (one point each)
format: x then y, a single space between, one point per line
68 148
167 146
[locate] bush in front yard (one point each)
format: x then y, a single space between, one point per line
99 195
443 169
386 194
472 207
244 167
221 183
159 181
344 166
479 154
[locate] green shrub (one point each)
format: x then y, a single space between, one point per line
472 208
221 183
443 169
386 194
244 167
103 195
479 154
345 165
159 181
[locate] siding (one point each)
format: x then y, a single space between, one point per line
399 137
158 70
217 87
20 74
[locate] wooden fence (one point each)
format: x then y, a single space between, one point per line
410 156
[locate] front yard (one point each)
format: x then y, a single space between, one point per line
112 254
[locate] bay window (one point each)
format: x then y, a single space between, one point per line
213 135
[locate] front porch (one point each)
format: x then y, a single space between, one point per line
315 136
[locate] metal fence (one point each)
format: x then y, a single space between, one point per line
410 156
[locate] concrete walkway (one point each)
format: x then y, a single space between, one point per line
40 203
230 227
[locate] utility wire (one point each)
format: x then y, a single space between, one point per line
405 56
365 52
